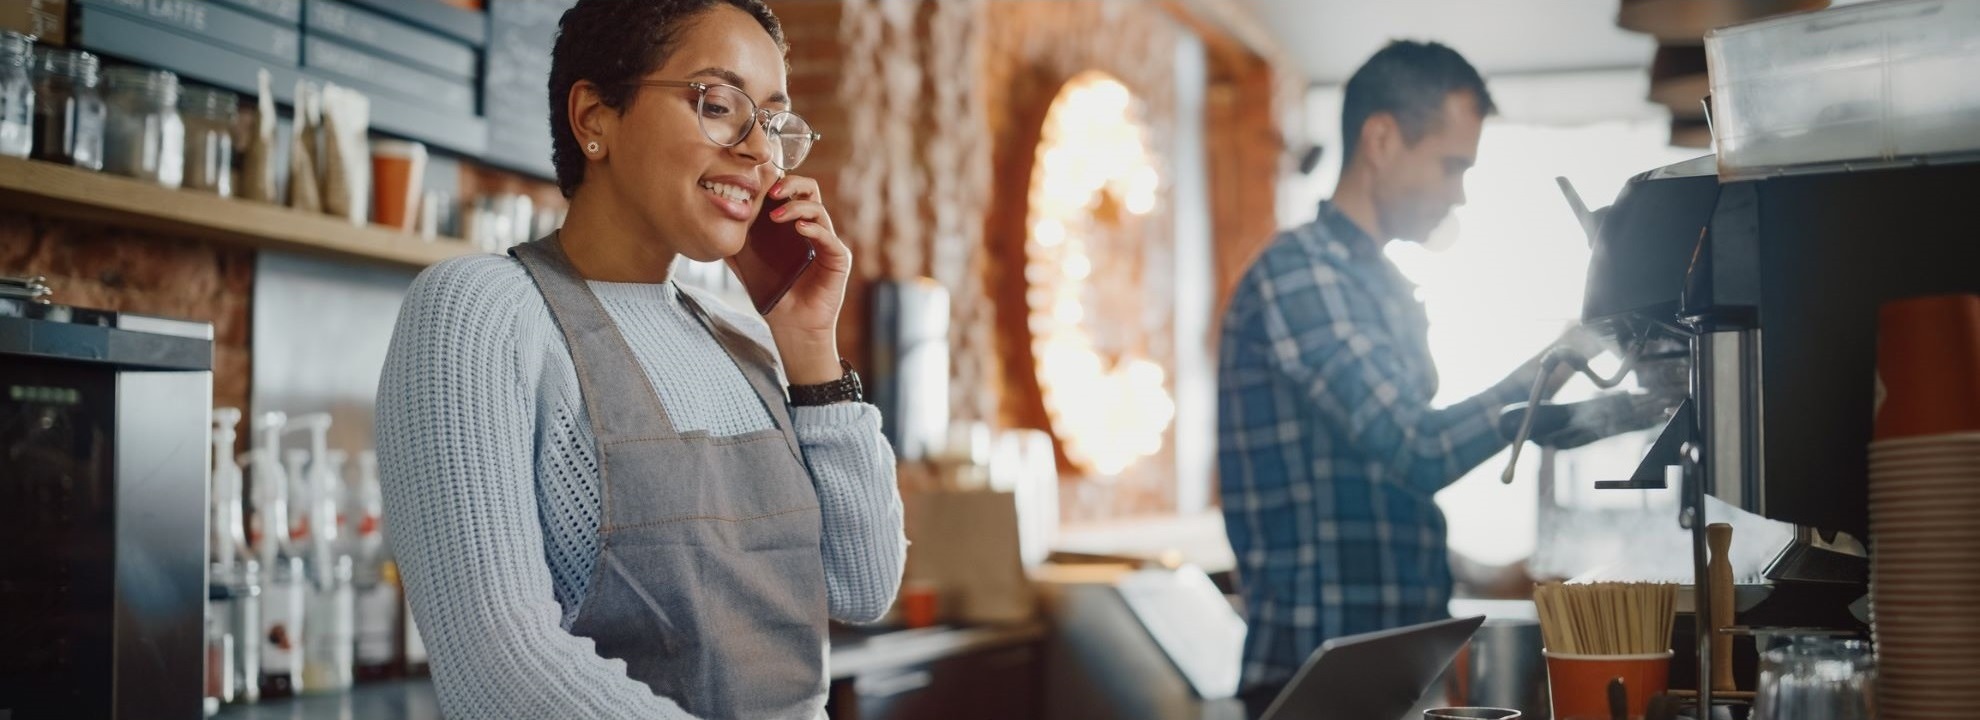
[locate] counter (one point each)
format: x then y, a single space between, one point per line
393 700
856 653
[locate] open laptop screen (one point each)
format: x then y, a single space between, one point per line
1374 676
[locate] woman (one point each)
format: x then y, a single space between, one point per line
604 500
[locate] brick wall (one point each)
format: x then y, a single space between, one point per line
1246 151
932 112
93 266
1031 50
113 268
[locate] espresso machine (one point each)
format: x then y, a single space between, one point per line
1761 296
103 490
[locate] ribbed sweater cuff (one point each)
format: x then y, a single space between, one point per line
823 423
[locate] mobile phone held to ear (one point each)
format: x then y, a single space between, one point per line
772 258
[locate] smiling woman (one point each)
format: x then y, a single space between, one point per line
516 386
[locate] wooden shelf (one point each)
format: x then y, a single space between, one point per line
58 190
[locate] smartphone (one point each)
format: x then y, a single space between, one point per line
772 258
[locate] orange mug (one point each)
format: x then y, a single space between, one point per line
1579 684
1928 360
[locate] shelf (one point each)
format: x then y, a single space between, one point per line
50 189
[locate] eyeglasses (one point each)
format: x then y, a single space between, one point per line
727 115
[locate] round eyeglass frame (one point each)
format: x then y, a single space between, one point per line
759 116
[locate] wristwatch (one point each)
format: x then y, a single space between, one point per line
844 389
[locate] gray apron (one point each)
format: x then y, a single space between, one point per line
709 581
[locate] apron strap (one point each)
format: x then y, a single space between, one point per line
757 363
617 394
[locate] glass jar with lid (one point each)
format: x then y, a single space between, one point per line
210 115
16 94
145 138
68 108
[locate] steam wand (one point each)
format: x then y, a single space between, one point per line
1558 355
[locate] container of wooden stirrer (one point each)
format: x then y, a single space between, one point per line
1598 633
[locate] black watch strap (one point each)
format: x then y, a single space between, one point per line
844 389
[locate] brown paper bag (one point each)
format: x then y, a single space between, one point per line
967 544
304 194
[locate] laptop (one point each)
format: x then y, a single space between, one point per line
1375 676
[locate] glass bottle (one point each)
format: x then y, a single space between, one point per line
246 623
282 600
329 619
1817 679
220 644
376 578
146 138
209 115
16 94
68 108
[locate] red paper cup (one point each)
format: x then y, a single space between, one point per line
920 604
1579 684
398 172
1928 359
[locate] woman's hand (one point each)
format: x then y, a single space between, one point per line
805 324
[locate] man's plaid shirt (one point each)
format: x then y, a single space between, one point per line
1328 449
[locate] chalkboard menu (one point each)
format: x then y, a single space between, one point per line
467 26
377 33
213 24
421 62
288 11
516 80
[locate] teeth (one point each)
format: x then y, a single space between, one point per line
727 191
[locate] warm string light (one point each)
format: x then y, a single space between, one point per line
1108 406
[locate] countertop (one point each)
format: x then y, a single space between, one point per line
392 700
854 651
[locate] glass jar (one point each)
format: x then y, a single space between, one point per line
209 115
68 108
16 94
145 138
1817 679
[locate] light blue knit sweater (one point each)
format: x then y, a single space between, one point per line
492 489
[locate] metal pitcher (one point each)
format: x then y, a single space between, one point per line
1502 667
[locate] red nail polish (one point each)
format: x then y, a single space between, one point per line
777 213
777 190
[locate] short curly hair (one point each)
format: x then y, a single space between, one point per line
613 43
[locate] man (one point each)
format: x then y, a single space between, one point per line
1328 448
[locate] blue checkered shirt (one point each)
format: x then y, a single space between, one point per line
1328 449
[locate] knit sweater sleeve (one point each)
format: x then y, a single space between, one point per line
853 468
455 447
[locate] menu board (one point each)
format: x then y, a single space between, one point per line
377 33
468 26
288 11
214 24
420 87
515 82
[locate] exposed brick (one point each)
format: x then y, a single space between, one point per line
915 185
94 266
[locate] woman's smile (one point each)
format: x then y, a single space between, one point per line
734 195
